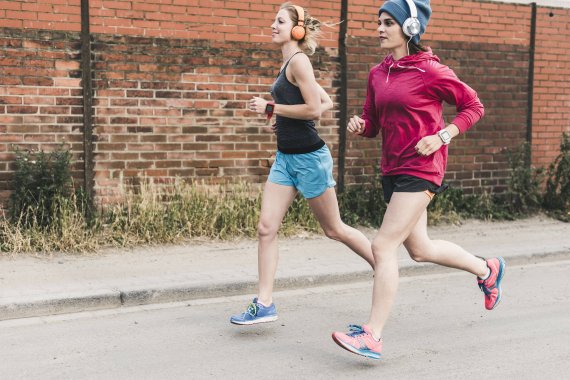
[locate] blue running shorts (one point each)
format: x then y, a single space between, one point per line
310 173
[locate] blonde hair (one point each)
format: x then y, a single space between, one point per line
309 43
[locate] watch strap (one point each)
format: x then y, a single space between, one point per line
445 136
269 107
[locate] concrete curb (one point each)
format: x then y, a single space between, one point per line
50 304
58 304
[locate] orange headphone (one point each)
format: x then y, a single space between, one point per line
298 31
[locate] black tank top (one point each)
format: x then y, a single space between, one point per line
293 135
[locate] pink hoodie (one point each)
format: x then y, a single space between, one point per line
404 101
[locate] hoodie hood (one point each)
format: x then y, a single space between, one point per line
416 61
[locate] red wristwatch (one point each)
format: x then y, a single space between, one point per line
269 109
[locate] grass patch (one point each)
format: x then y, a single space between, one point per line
150 214
69 231
47 215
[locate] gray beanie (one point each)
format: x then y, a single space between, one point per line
400 10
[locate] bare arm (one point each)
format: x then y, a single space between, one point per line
303 77
326 101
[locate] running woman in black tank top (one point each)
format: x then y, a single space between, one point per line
303 163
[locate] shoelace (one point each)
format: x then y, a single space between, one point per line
355 331
485 289
252 309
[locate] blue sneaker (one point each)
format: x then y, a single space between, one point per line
255 313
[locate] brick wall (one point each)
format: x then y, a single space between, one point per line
167 108
171 81
40 96
488 53
551 108
53 15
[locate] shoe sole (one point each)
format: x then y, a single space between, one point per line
272 318
366 354
502 269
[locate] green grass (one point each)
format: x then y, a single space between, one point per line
153 214
149 214
47 216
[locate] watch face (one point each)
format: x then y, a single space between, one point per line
269 108
445 136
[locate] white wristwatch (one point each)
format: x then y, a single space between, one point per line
445 136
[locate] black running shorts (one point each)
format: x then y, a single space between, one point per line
409 184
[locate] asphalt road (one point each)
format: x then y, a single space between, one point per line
439 330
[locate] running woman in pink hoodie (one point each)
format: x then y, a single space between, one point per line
404 104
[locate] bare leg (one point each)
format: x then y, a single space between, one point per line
275 202
402 215
325 208
422 249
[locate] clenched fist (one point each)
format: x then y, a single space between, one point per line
356 125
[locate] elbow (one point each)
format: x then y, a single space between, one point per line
478 108
324 108
314 113
478 115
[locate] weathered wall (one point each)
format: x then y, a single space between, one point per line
551 108
171 81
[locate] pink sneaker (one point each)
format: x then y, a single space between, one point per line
359 340
492 285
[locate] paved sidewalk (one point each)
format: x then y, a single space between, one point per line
31 286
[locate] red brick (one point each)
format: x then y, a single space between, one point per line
155 94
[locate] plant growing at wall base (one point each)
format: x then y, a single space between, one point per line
44 212
557 195
41 182
523 195
151 213
363 204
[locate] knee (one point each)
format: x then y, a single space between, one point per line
334 233
381 252
418 256
266 230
